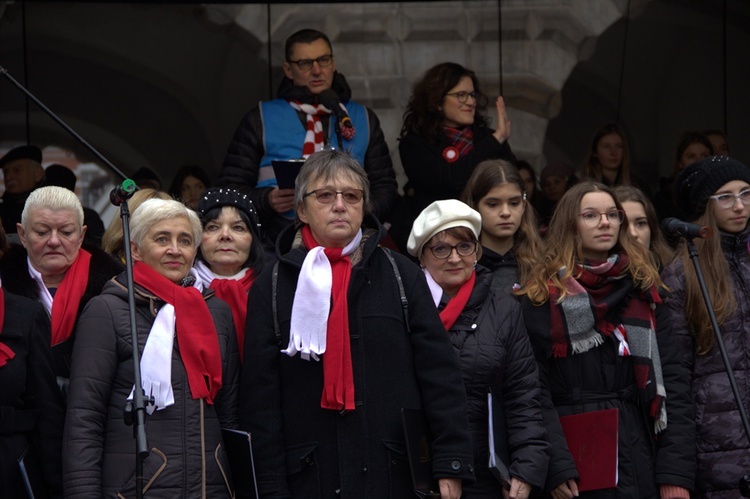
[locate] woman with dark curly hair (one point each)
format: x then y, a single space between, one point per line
445 135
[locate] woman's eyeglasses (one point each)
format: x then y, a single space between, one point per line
307 64
727 200
328 196
443 250
592 218
464 96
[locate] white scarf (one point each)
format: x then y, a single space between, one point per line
207 276
156 360
312 303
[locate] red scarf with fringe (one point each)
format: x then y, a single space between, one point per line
338 374
234 292
68 298
196 332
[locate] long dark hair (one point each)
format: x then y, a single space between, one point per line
175 188
424 115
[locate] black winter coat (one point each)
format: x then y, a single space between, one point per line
494 350
504 269
302 450
606 380
31 406
723 449
187 457
16 279
241 165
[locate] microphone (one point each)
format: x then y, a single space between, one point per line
122 192
330 100
676 227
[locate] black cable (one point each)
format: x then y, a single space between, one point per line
500 41
25 70
270 61
622 62
724 62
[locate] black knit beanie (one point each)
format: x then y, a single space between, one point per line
697 182
218 197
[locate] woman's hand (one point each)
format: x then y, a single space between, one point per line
566 490
281 200
502 132
518 490
450 488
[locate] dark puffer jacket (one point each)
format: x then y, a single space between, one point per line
494 350
601 379
187 458
723 449
504 269
16 279
304 451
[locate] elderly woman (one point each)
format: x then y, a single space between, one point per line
488 334
31 405
54 267
334 360
112 239
445 135
230 256
189 363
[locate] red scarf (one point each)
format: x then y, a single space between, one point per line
456 305
234 292
5 351
68 298
196 332
338 374
462 139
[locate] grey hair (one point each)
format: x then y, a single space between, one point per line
328 165
52 198
153 211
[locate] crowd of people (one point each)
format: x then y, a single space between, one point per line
538 339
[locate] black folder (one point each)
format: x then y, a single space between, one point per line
418 443
238 445
286 172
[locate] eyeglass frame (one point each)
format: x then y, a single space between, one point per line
453 247
621 217
336 194
301 62
737 197
474 95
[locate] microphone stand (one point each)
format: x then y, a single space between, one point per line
135 411
744 483
107 163
139 399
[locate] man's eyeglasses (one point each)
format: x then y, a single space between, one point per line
328 196
592 218
307 64
443 250
727 200
464 96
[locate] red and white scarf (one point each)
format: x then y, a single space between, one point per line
63 309
6 353
314 134
322 285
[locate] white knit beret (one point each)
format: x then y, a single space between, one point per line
439 216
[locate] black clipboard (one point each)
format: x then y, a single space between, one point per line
497 443
239 447
286 172
418 453
30 473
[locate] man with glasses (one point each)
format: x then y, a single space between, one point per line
296 124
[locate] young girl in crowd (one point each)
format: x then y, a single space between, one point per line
603 341
509 238
715 192
643 223
609 159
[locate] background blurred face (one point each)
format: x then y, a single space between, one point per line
333 225
168 248
191 191
693 152
597 241
554 187
226 242
609 151
455 113
52 239
718 144
22 175
450 273
637 222
316 79
734 219
501 209
528 181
